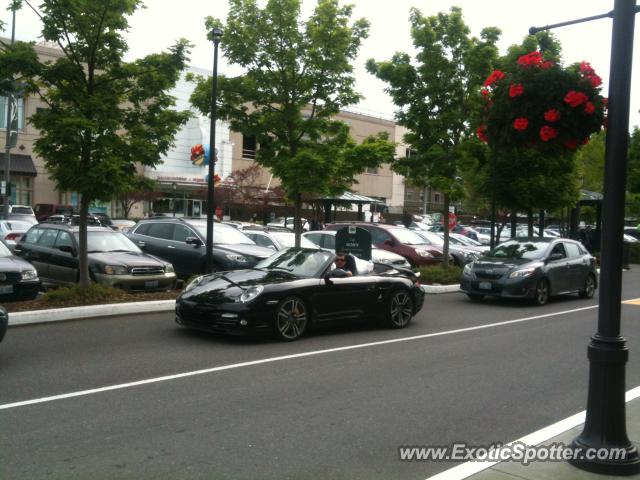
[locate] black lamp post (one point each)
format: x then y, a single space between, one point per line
605 423
173 198
217 35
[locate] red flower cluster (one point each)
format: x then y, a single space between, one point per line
516 90
495 76
589 107
575 99
521 123
548 133
552 115
589 73
481 132
533 59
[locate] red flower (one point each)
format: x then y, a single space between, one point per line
589 107
547 64
481 133
572 143
552 115
494 77
516 90
547 133
521 123
595 80
586 69
530 59
484 92
575 99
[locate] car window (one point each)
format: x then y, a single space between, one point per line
329 241
303 262
516 249
98 241
407 237
573 250
32 235
559 248
316 238
64 239
143 229
223 234
180 233
379 236
22 210
48 238
161 230
289 240
262 240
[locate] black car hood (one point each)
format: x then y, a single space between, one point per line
14 264
228 286
246 249
506 263
131 259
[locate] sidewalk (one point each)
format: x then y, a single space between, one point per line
572 427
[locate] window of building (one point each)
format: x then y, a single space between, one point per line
21 190
249 146
3 112
371 170
436 198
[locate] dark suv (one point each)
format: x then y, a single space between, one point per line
398 240
182 242
113 259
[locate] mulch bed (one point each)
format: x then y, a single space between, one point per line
39 304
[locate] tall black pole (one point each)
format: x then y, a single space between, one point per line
605 423
493 239
217 34
7 146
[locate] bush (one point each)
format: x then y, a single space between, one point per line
94 293
440 275
634 252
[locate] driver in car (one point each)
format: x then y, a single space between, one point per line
346 262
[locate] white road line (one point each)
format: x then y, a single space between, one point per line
120 386
468 469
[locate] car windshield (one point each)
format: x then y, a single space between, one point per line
223 234
4 251
108 242
289 240
298 262
516 249
407 237
22 210
434 238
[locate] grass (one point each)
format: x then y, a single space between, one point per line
439 274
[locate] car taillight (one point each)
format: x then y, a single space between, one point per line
13 236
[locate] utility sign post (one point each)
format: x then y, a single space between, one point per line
354 240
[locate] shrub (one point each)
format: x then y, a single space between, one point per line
440 275
95 293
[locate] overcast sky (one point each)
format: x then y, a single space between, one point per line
163 21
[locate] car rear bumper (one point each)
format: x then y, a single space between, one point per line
138 283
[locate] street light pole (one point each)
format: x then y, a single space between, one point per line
217 35
10 114
605 423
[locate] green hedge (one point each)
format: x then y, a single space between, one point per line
94 293
440 275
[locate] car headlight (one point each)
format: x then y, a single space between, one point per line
525 272
168 268
424 253
383 260
468 270
237 258
115 270
193 283
29 275
251 293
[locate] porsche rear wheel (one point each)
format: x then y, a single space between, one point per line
400 309
291 319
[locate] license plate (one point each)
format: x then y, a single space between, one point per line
151 284
484 285
6 288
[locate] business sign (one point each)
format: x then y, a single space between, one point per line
354 240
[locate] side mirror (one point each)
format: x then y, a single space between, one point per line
336 273
555 256
193 241
389 242
67 249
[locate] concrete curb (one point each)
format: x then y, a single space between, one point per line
92 311
434 289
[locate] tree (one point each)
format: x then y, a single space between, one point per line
139 189
437 95
298 75
633 175
104 116
590 159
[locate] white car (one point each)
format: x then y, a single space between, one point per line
277 240
287 222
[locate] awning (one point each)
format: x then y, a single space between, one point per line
20 165
348 197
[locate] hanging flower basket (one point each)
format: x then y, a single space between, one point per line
538 105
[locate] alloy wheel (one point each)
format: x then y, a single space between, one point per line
400 309
291 319
542 292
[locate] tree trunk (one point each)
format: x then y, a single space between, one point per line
85 280
297 225
445 247
530 223
514 223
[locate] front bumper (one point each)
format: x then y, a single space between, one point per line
231 318
139 283
502 287
20 290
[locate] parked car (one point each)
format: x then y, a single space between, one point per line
295 288
277 240
12 230
45 210
326 239
182 241
18 278
287 222
400 240
4 322
460 254
534 268
463 230
23 213
122 224
113 259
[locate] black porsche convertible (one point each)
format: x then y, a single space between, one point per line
287 292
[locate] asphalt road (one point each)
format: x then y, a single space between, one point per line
336 404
